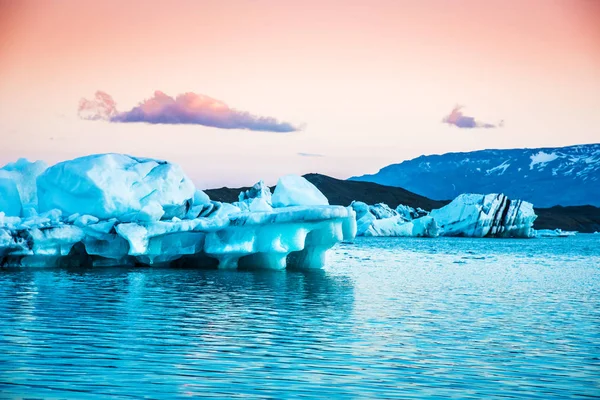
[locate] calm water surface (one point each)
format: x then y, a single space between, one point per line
386 318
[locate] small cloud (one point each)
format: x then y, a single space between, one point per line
310 155
457 118
187 108
101 107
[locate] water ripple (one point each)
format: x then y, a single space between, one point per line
387 318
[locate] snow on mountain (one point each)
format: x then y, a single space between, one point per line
544 176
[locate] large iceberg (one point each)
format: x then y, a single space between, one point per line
469 215
491 215
113 209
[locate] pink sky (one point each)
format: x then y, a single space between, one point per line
372 80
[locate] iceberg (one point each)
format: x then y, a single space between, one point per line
491 215
381 220
554 233
469 215
257 198
113 209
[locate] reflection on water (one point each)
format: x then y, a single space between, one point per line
386 318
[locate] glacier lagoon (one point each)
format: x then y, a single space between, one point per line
385 317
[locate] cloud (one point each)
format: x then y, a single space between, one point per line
187 108
457 118
101 107
310 155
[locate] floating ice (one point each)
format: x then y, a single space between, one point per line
472 215
113 209
381 220
559 233
492 215
291 236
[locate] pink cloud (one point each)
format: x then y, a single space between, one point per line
101 107
457 118
187 108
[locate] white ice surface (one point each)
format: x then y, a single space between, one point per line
117 186
294 190
381 220
476 215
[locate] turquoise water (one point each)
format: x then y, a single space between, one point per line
386 318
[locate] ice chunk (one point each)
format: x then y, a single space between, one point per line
294 190
360 208
406 212
117 186
10 202
23 174
381 220
382 211
410 213
398 226
9 222
260 190
85 220
559 233
492 215
201 198
257 198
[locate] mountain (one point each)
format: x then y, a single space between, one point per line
340 192
546 177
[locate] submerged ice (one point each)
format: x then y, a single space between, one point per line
114 209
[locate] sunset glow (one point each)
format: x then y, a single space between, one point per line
368 81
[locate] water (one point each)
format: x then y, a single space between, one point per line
386 318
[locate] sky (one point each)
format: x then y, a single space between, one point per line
237 91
